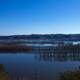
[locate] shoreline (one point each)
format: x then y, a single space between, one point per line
14 48
70 75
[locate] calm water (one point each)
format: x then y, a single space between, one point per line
36 67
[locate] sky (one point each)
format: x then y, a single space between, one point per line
39 17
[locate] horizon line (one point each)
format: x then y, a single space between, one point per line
43 34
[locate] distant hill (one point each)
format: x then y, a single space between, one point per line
59 37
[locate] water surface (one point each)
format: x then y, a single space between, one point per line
36 67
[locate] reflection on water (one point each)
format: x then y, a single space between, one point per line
39 66
58 56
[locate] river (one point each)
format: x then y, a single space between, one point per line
30 66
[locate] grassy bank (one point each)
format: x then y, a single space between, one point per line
14 48
3 74
74 75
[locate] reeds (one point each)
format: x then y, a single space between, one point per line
70 75
3 74
14 48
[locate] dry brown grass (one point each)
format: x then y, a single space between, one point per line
3 75
75 75
14 48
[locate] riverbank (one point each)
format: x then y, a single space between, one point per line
70 75
14 48
3 74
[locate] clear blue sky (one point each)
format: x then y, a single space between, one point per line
39 16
